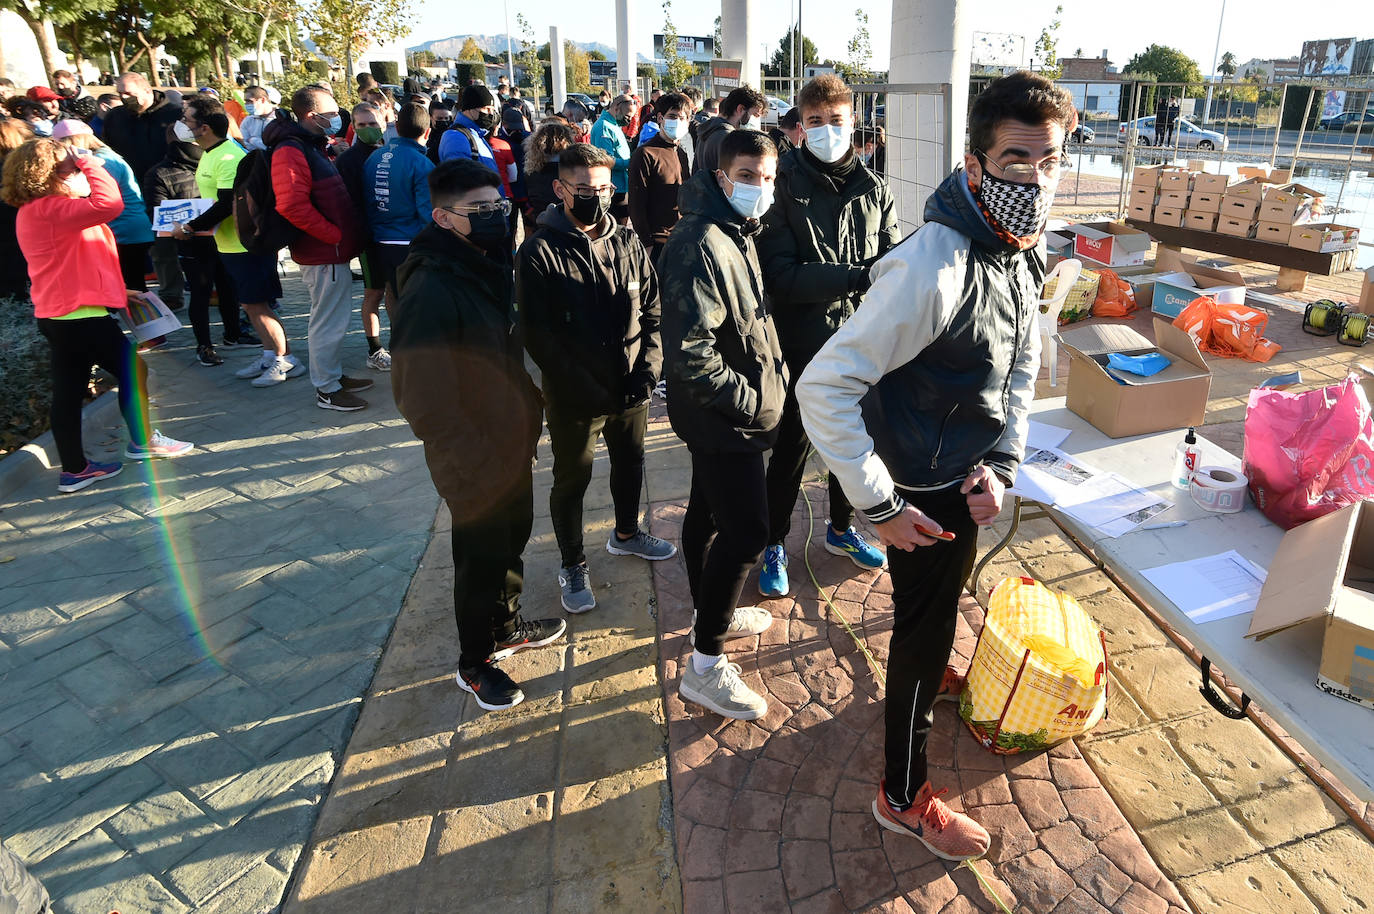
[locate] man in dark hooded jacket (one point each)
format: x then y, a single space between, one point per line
919 403
726 386
588 304
458 375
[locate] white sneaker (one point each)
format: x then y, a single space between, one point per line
281 369
159 445
379 360
721 690
254 369
746 620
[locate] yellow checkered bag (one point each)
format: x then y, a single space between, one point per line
1079 303
1039 672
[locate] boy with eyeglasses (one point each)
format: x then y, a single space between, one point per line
588 305
918 405
458 374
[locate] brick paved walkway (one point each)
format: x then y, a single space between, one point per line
182 662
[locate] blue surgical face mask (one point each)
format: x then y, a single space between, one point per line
828 142
251 108
674 129
335 124
42 127
750 200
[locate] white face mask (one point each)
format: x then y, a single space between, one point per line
183 132
78 184
674 129
828 142
754 122
750 200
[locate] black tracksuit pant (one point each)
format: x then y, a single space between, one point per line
573 439
926 585
489 573
724 532
205 273
76 346
787 466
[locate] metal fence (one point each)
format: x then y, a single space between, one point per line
914 134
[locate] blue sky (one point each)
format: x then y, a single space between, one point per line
1253 28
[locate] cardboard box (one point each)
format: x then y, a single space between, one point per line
1366 305
1146 175
1111 243
1263 173
1205 202
1273 232
1239 207
1210 184
1239 228
1175 178
1174 199
1291 203
1186 280
1165 215
1202 221
1142 194
1174 398
1142 211
1323 573
1059 242
1248 190
1324 237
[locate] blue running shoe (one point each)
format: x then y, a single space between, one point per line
851 545
773 578
75 482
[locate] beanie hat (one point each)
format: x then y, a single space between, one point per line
475 97
71 127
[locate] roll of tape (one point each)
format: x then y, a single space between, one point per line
1218 490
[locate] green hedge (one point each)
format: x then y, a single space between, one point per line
386 72
318 68
469 70
27 392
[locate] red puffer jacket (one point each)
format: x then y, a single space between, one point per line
312 196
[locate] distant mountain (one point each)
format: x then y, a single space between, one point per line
496 44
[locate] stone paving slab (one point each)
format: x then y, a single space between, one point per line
183 650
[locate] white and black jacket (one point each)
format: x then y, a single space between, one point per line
935 374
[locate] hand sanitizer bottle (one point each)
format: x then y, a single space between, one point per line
1185 460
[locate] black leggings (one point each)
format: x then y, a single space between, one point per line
205 272
724 532
76 346
133 264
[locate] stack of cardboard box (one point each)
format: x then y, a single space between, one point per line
1284 207
1240 208
1205 204
1175 186
1144 192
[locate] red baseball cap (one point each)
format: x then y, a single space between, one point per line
43 94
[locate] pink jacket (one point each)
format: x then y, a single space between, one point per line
71 251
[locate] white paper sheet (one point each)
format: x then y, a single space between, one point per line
1051 476
1211 587
1041 436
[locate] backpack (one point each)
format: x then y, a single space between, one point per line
472 142
261 229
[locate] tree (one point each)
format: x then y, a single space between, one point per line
856 70
137 29
39 14
529 58
1047 44
679 69
594 54
1227 67
1167 65
344 28
422 58
781 64
470 50
715 40
576 63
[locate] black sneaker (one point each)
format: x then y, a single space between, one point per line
341 400
353 385
207 356
529 633
493 689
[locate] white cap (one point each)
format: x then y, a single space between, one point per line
273 95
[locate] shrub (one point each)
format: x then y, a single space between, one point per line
469 70
386 72
24 364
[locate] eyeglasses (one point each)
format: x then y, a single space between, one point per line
587 193
481 209
1023 173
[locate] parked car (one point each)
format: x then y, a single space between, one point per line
1082 134
775 110
1348 120
593 109
1187 135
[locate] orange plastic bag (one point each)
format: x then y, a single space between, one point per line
1115 297
1230 331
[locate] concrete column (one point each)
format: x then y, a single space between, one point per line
624 52
559 74
930 44
738 41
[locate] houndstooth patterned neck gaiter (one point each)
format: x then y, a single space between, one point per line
1017 210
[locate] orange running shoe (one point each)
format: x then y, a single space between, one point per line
950 835
951 686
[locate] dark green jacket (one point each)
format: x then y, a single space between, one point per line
726 377
817 244
458 373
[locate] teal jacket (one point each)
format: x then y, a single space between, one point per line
607 136
132 225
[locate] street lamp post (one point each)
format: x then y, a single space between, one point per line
510 60
1216 53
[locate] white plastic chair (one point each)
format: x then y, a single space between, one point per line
1066 273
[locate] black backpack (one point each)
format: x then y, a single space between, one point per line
262 230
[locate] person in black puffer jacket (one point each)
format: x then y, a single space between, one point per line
726 387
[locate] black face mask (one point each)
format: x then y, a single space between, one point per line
489 231
486 120
623 120
589 210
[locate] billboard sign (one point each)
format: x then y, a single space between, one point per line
725 75
689 47
1328 57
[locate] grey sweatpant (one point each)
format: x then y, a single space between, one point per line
331 308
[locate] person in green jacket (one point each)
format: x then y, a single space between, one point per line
458 375
608 134
834 216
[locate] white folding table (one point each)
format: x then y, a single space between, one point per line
1280 672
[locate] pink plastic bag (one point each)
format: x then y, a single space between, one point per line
1309 454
